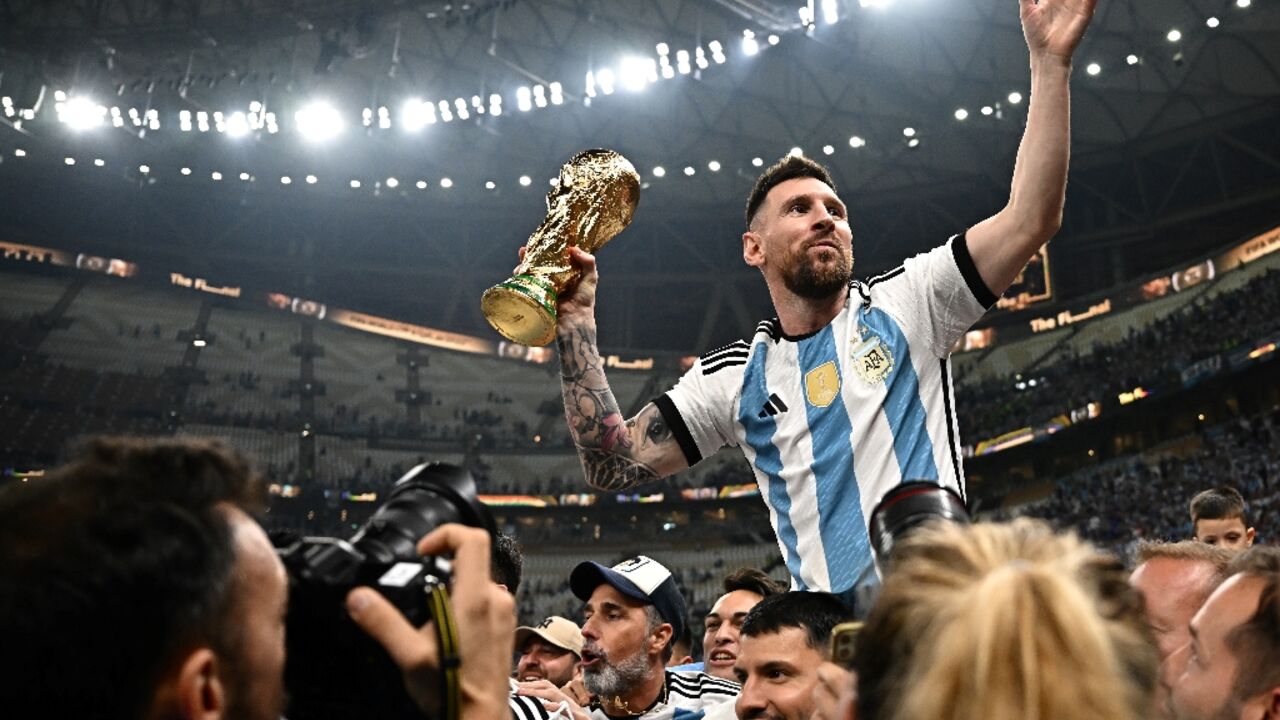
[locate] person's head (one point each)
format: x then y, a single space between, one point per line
1175 579
1218 518
549 650
798 232
1004 621
633 613
134 583
742 590
681 649
1231 667
784 640
506 562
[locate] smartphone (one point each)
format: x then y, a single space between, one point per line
844 642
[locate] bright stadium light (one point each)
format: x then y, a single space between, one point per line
962 114
525 181
416 115
635 73
857 142
215 175
689 170
714 166
830 12
1093 68
796 152
1212 22
393 183
81 113
1174 35
750 46
908 132
1015 98
318 121
524 98
312 179
757 162
828 149
237 124
446 183
1133 59
659 171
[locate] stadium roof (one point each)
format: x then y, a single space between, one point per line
1176 144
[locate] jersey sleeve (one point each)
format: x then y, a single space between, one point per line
938 295
699 409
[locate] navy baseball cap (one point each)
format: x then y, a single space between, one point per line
639 578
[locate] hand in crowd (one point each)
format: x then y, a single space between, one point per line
556 699
485 618
836 694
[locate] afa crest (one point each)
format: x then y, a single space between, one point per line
822 384
872 360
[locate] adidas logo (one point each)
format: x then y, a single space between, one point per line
773 406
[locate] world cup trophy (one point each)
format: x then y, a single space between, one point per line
593 200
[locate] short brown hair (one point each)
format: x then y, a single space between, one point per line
752 580
788 168
1214 555
1256 643
1220 503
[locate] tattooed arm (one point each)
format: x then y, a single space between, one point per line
616 453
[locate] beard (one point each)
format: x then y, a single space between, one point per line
814 279
611 679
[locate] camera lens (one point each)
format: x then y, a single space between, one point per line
427 497
908 506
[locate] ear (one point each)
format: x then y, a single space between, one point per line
661 635
199 693
1249 535
1271 703
752 249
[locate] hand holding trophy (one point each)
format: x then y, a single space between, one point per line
593 200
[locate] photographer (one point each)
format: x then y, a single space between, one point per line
134 583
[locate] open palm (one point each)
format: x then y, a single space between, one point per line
1055 27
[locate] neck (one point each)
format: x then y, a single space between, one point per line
639 698
801 315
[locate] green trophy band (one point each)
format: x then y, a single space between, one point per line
593 200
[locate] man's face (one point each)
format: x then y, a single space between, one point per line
1200 675
256 672
1172 589
540 660
615 651
801 238
1229 533
724 623
778 672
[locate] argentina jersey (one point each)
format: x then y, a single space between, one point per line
832 420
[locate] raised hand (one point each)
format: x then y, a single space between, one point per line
1055 27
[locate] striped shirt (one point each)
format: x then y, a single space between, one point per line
832 420
689 695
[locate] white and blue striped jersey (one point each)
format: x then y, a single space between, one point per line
833 420
687 696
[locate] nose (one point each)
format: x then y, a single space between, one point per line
751 701
724 634
1172 667
589 629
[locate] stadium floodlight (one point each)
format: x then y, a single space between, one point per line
81 113
69 161
355 184
1242 4
524 98
1015 98
422 184
99 162
1093 68
318 121
774 39
635 73
830 12
312 179
828 149
757 162
144 169
1212 22
1133 59
659 171
1174 35
909 132
215 175
185 171
857 142
237 124
446 183
987 110
286 180
525 181
19 153
604 79
490 185
688 170
714 166
393 183
796 152
245 176
416 114
750 46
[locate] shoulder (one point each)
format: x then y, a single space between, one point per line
738 352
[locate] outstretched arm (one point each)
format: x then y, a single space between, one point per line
1002 244
616 453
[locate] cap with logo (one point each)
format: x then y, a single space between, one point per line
556 630
639 578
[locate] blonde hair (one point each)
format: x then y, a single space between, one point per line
1005 622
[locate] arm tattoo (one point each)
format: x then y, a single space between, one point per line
612 472
589 406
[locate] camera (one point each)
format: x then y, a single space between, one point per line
899 512
334 671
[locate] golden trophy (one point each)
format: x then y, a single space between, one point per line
593 200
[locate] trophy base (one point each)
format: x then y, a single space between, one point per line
522 309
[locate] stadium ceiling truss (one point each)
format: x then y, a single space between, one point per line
1184 130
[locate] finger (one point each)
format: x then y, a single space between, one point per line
383 622
523 249
583 260
470 548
